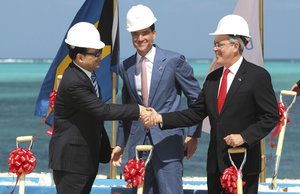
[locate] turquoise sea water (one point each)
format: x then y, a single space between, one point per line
20 84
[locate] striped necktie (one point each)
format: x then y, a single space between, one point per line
95 83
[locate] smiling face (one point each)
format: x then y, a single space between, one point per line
227 53
90 60
143 40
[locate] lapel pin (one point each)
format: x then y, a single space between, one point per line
160 68
239 79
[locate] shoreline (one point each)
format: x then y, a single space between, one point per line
44 180
99 176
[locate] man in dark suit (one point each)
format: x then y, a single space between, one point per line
168 76
241 107
296 87
79 141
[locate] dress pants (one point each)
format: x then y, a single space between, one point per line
72 183
162 177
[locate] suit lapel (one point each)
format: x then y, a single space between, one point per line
157 72
214 88
85 78
129 71
235 85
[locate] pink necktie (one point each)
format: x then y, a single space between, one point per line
144 81
223 90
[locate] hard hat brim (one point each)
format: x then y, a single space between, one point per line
142 26
217 33
98 45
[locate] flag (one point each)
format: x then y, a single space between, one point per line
249 10
104 15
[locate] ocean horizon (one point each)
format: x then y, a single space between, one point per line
21 79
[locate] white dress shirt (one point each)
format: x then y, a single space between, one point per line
149 63
233 70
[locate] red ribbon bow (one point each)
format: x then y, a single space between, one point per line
21 161
229 180
134 172
282 112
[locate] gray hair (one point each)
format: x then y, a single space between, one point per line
240 40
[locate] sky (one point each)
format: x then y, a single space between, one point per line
35 28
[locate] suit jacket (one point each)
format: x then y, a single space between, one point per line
171 75
79 123
250 109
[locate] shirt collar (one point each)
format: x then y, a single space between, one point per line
149 56
88 73
235 67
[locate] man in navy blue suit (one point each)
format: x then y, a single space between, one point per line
160 85
296 88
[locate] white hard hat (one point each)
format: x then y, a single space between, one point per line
232 25
85 35
139 17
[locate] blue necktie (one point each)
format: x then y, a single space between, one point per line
95 83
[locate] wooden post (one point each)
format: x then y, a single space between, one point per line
113 169
262 142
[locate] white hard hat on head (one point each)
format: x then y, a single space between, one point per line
85 35
232 25
139 17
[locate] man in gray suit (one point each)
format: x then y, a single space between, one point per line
167 75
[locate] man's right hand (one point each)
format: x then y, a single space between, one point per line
116 156
151 118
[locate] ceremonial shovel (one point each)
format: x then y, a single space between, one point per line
281 135
22 177
238 150
143 148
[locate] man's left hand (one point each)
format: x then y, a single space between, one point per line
234 140
190 145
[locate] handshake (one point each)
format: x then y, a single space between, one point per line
149 116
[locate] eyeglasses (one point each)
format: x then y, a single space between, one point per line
219 45
95 54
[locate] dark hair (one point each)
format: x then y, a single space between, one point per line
152 27
73 51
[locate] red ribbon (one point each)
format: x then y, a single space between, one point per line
52 98
229 180
50 131
134 172
282 112
21 161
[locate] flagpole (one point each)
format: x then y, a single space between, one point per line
262 142
113 169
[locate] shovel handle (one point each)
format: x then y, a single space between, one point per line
236 150
239 186
288 93
144 147
24 138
